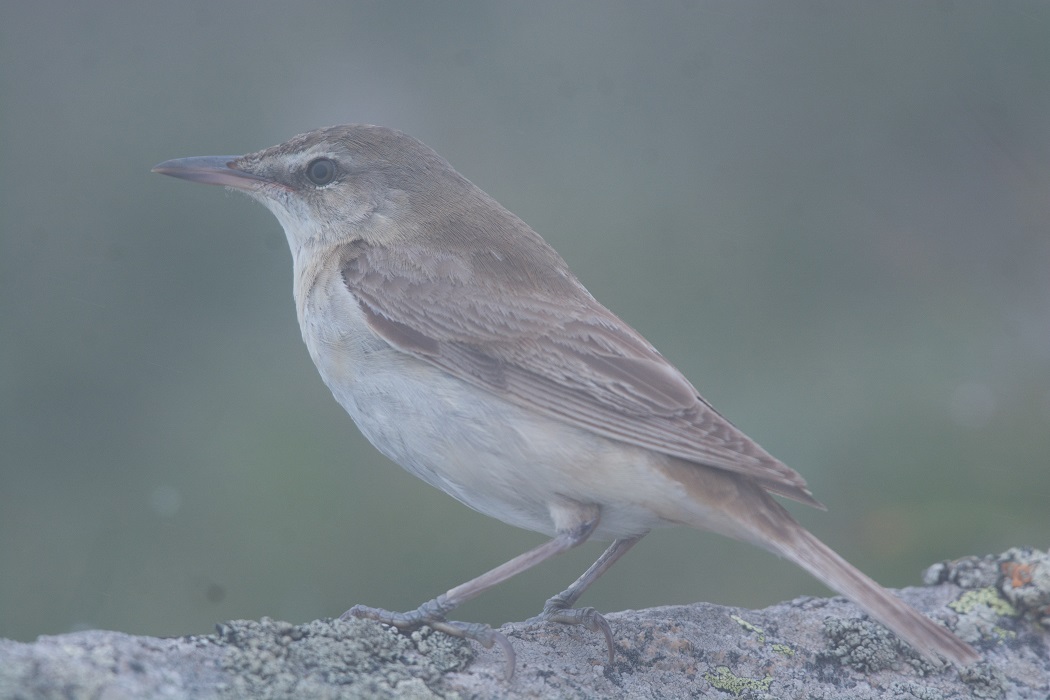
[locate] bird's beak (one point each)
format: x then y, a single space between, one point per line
211 170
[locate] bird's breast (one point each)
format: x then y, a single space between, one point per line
493 455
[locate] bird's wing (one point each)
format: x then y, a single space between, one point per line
555 351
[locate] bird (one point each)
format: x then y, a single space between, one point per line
467 352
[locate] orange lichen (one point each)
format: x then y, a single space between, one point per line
1019 574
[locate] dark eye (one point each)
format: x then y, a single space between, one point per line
321 171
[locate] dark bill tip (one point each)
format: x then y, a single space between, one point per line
210 170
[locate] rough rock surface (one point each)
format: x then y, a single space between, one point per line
806 648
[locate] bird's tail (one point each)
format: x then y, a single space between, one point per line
740 508
922 633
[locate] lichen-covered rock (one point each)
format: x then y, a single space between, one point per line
806 648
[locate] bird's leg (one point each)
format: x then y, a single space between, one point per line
559 608
432 613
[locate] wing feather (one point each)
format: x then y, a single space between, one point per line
551 347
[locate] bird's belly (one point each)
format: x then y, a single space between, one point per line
499 458
494 456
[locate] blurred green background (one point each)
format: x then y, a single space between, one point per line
833 217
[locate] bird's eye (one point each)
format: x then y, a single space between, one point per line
321 171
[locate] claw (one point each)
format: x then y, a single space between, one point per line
556 611
414 619
596 622
483 635
510 658
428 615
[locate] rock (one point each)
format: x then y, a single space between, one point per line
805 648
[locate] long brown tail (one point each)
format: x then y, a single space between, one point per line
925 635
740 508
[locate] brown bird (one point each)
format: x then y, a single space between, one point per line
466 351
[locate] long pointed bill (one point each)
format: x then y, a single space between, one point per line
211 170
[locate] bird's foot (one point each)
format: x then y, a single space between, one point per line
432 614
558 610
